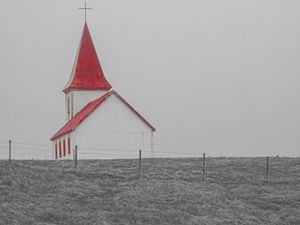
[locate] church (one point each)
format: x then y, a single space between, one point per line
100 123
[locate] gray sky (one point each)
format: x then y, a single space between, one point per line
220 77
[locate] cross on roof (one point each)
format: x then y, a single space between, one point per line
85 8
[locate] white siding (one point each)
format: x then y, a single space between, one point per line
78 99
113 131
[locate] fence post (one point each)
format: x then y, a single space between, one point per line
140 162
75 158
9 150
203 167
267 168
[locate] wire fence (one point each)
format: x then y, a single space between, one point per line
15 150
12 150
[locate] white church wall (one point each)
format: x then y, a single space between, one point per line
113 131
77 99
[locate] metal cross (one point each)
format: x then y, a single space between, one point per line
85 8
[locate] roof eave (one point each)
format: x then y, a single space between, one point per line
68 89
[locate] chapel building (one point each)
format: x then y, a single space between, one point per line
100 122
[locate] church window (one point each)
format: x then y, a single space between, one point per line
69 146
64 147
68 107
72 105
55 150
59 147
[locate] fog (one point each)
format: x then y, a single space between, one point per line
220 77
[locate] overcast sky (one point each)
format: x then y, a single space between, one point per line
221 77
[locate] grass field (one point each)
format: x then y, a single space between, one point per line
170 191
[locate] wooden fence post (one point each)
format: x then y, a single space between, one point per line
9 150
267 168
140 163
76 157
203 167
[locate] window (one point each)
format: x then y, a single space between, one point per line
59 149
72 104
55 150
69 146
64 146
68 107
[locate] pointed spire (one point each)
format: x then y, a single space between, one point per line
87 73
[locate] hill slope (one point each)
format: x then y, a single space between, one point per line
171 191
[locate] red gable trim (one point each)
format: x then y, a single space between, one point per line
136 112
87 72
88 109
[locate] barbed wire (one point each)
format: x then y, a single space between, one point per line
33 144
135 150
26 154
96 152
106 149
25 150
176 153
32 149
112 154
37 148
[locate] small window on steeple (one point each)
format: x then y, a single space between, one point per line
72 105
68 105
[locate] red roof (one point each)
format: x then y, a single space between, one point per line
87 72
88 109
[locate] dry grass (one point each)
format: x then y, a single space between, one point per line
170 191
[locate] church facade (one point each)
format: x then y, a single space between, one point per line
100 123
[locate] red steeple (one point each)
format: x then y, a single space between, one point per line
87 73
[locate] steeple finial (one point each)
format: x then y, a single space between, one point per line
85 8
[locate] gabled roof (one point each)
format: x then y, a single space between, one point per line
87 72
88 109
